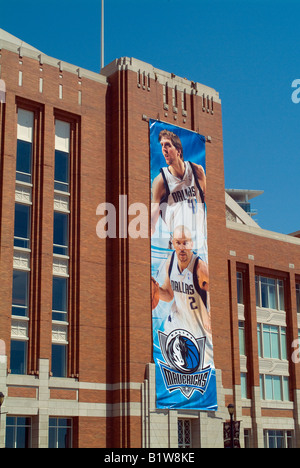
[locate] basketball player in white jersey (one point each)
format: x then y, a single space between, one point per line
187 282
178 192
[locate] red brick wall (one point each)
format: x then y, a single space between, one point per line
110 314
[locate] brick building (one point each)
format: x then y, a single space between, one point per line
76 365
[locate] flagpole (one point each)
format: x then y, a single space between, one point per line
102 34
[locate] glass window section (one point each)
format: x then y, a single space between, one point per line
242 338
24 157
60 299
274 387
22 226
262 387
247 438
240 296
59 360
61 173
272 294
267 349
286 389
277 392
60 233
278 439
283 343
60 433
20 293
184 433
275 439
274 337
298 297
268 293
268 388
281 295
289 439
264 293
257 291
18 357
274 342
18 432
244 385
259 339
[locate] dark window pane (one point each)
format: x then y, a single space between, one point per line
52 437
59 368
20 293
60 433
23 167
23 437
9 440
18 357
59 298
22 225
60 233
61 174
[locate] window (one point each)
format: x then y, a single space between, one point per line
59 360
24 156
24 145
242 338
165 94
18 432
60 233
62 155
244 385
174 97
18 357
269 293
184 433
22 226
298 297
20 293
274 387
60 299
247 438
275 439
271 341
61 175
240 295
183 100
60 433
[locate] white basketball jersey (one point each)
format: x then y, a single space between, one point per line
183 204
187 300
189 303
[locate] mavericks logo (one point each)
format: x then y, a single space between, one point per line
184 356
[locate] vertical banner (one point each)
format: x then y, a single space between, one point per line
181 315
231 434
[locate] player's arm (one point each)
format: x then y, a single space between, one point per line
203 275
158 191
201 178
203 281
165 291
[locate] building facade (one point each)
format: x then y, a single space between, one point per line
76 365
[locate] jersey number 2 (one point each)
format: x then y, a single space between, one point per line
193 305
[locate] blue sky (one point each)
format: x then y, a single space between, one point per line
248 50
